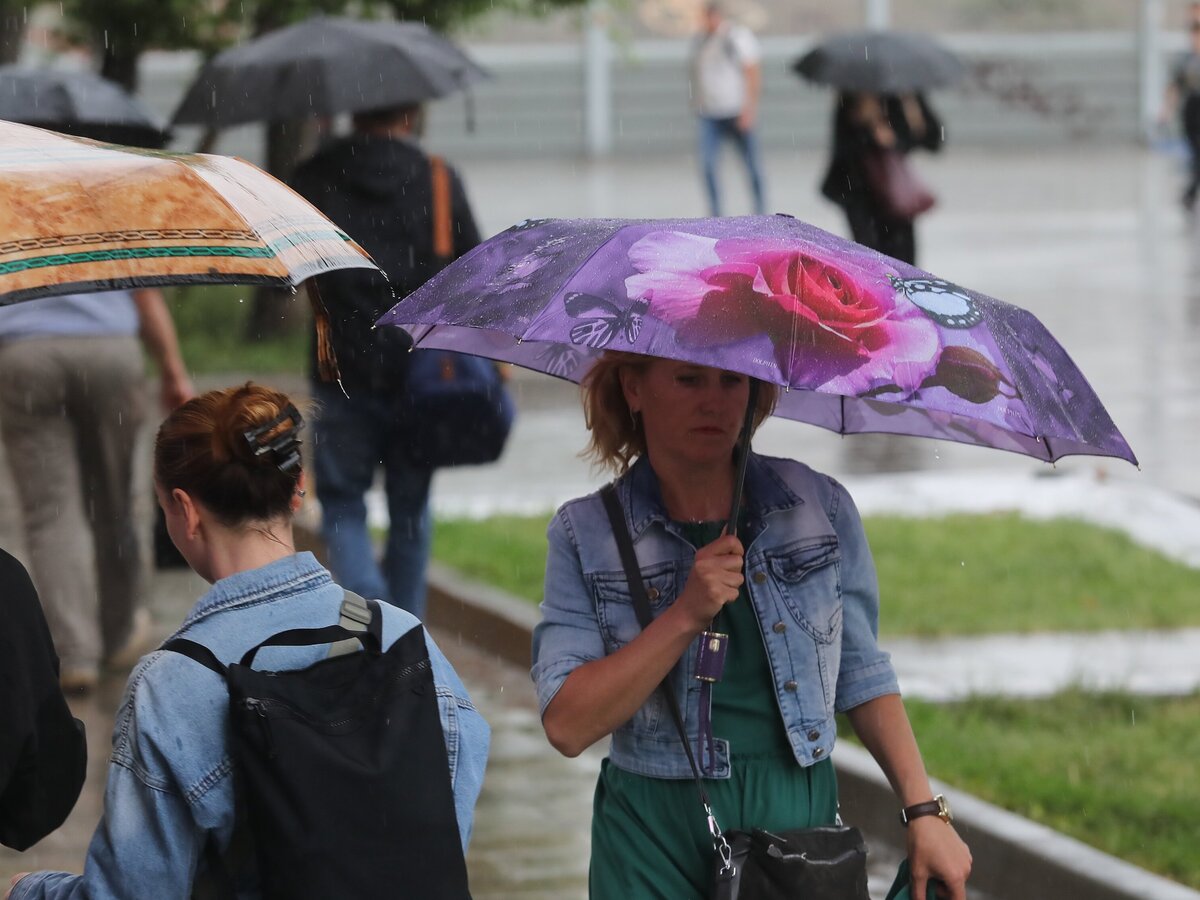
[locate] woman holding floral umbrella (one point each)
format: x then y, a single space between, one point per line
668 324
794 590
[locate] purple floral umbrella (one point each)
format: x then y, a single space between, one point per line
858 341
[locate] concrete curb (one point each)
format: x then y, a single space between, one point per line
1013 856
491 619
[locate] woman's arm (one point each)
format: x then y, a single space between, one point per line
603 692
868 693
159 810
157 331
935 850
467 736
147 844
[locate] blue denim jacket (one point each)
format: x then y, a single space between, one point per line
810 577
169 784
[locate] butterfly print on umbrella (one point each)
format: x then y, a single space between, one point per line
947 304
560 360
605 320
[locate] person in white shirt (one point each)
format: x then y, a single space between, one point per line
726 80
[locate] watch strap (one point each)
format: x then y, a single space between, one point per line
934 807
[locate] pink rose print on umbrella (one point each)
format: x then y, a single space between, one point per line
832 328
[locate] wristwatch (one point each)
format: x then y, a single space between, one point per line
935 807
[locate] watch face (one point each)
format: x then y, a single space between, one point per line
944 808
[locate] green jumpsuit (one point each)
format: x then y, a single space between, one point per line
649 835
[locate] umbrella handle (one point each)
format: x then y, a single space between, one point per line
739 478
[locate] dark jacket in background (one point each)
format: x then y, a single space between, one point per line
379 191
43 754
846 182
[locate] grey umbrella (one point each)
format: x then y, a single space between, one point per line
78 103
883 62
324 66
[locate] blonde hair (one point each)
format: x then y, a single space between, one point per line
617 434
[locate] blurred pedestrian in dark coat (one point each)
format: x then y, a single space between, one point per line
865 124
376 184
43 755
1183 99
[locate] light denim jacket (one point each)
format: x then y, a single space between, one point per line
810 577
169 784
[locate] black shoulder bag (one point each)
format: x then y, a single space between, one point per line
824 863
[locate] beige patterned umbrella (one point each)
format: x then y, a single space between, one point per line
76 216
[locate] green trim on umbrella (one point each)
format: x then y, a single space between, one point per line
66 259
86 256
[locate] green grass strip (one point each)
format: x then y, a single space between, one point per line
975 574
963 574
1117 772
508 552
212 320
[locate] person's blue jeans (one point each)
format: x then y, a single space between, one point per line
353 437
712 132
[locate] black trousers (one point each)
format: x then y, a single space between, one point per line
1191 132
894 237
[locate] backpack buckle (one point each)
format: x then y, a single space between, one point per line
356 615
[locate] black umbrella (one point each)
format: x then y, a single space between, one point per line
882 62
324 66
78 103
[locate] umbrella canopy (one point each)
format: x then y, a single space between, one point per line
881 62
78 103
858 341
324 66
80 216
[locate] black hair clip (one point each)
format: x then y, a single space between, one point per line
285 446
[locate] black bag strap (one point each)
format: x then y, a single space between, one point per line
196 652
641 606
370 637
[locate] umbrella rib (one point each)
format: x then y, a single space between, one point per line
795 327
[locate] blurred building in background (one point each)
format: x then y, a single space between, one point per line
611 77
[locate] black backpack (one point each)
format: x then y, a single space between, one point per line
342 780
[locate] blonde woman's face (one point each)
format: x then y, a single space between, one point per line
691 413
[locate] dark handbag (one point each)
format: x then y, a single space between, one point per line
824 863
455 409
895 186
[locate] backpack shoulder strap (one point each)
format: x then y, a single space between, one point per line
357 615
443 227
196 652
